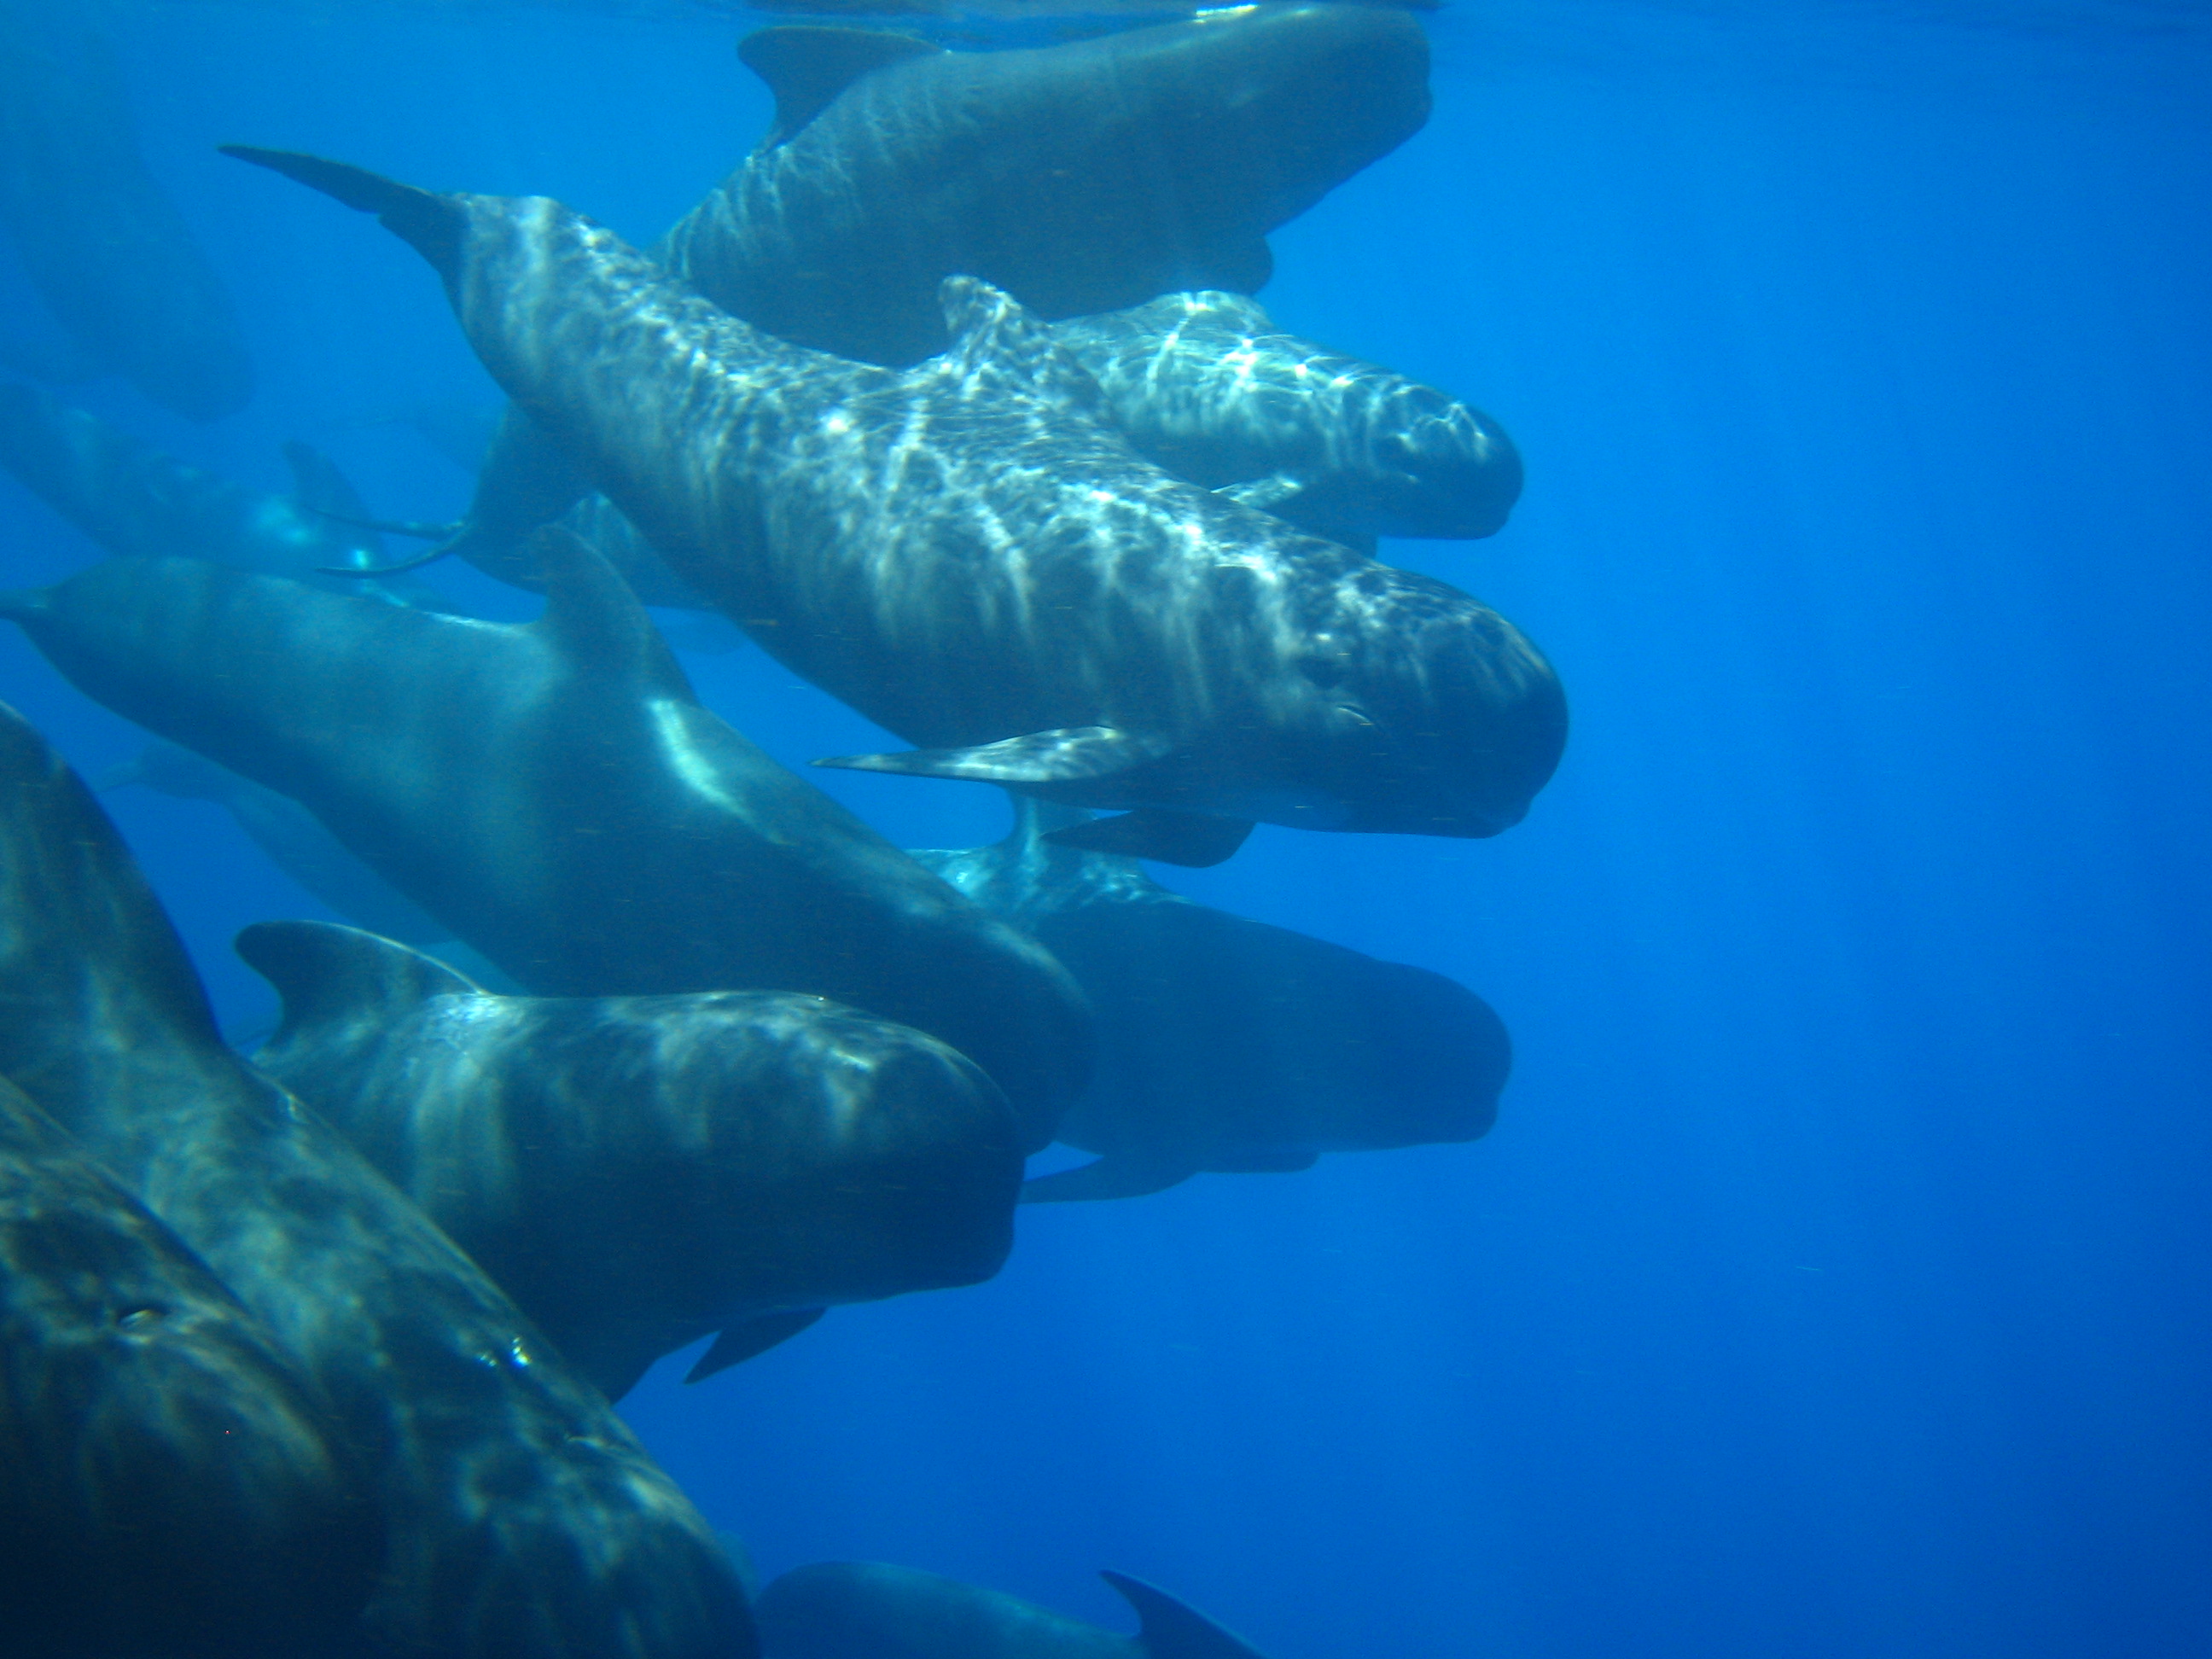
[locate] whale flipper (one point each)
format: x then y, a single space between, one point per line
1192 840
1112 1176
1170 1630
1075 754
806 66
739 1343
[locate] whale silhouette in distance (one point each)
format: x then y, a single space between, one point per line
136 501
968 555
554 793
519 1516
101 241
1227 1044
168 1482
872 1610
1078 177
637 1172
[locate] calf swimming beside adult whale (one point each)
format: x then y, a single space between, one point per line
555 793
637 1172
969 555
519 1518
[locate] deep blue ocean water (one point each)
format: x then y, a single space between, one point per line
1836 1280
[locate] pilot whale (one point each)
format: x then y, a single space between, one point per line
519 1517
871 1610
1227 1044
168 1483
637 1172
970 555
1078 177
138 503
99 239
554 794
1206 385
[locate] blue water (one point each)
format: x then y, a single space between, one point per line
1836 1280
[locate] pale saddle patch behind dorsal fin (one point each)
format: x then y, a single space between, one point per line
806 66
328 974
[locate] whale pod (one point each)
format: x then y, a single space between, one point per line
168 1483
519 1516
969 555
639 1172
871 1610
1227 1044
554 794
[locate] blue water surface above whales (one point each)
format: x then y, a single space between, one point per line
1833 1281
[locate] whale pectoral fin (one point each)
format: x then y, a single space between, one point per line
1111 1176
754 1336
1267 494
806 66
1192 840
433 225
1075 754
1169 1629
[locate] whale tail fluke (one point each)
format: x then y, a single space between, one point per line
1170 1630
431 224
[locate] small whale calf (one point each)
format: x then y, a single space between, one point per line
168 1483
1227 1044
554 794
519 1515
871 1610
969 555
639 1172
99 237
1206 385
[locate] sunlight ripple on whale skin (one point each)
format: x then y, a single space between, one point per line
969 555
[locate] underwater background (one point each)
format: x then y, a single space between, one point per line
1836 1280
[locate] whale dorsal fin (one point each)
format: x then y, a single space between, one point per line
326 973
1000 345
1170 1630
593 618
806 66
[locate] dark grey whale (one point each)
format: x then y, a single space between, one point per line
101 241
1206 385
292 837
168 1483
520 1518
1078 177
969 555
138 502
1227 1044
554 794
637 1172
871 1610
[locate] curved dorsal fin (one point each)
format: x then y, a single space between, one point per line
806 66
1170 1630
326 973
594 618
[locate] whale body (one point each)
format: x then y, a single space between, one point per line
968 555
101 241
639 1172
554 794
1227 1044
168 1483
519 1516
